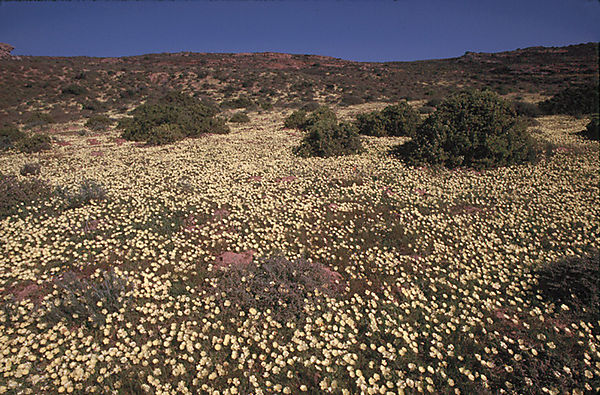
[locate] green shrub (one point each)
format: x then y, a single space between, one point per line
74 90
191 116
574 100
573 281
350 100
371 124
295 120
13 193
473 129
30 169
526 109
38 119
240 117
277 284
98 123
401 119
93 105
89 190
326 139
591 130
323 116
240 102
310 106
35 143
9 136
80 300
164 134
397 120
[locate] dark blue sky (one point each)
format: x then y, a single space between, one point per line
355 30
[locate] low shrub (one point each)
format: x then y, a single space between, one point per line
93 105
9 136
98 123
277 284
38 119
526 109
574 100
591 130
87 301
426 110
473 129
295 120
240 117
34 143
325 139
191 116
240 102
322 115
434 102
574 282
29 169
89 190
164 134
310 106
397 120
14 192
371 124
74 90
350 100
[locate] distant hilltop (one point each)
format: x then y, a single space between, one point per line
5 50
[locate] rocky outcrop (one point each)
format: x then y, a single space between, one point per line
5 50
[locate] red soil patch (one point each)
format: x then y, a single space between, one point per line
228 259
97 153
286 179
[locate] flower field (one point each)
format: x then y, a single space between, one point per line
225 264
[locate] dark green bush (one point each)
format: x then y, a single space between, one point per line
9 136
350 100
193 118
397 120
295 120
574 100
473 129
74 90
165 134
326 139
310 106
38 119
98 123
526 109
591 130
13 193
240 117
573 281
93 105
371 124
401 119
35 143
240 102
323 116
30 169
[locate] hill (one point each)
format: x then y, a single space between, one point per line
71 87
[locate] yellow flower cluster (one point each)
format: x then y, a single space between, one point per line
436 265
